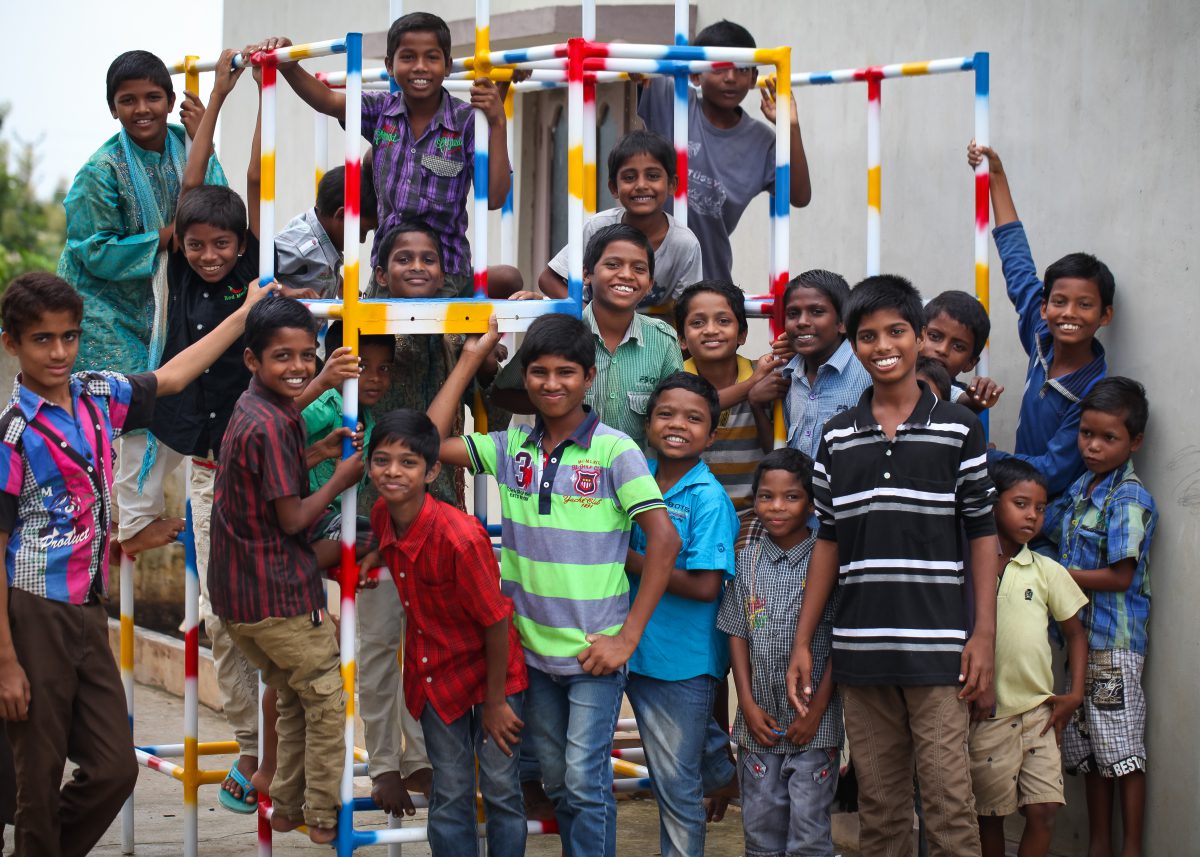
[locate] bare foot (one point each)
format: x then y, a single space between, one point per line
283 824
153 535
538 807
389 793
322 835
261 780
248 765
420 781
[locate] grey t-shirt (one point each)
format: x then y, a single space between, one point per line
676 261
306 257
726 169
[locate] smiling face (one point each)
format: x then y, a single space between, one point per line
400 475
212 252
46 351
783 507
887 346
1104 441
555 385
622 276
812 324
414 267
641 185
950 343
1019 513
710 330
418 66
288 362
1074 311
376 375
680 425
725 88
142 108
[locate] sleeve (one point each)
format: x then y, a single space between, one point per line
1128 519
12 469
691 268
731 618
289 260
1060 463
673 357
974 494
215 175
1064 598
277 471
131 400
96 234
1058 509
372 109
477 578
484 451
559 263
634 487
655 103
319 419
823 493
712 531
1021 280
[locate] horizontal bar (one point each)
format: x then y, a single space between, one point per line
627 724
288 54
949 65
630 50
623 768
640 784
641 66
409 835
442 315
204 748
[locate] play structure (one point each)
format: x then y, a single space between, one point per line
581 64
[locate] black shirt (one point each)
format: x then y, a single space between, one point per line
192 422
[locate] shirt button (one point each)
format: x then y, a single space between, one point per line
405 603
89 470
424 660
429 679
612 395
545 484
554 461
199 327
206 294
206 371
419 631
887 476
63 444
212 415
812 396
412 151
402 574
888 452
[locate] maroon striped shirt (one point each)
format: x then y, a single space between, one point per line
256 570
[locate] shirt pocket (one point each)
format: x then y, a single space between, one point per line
442 167
639 403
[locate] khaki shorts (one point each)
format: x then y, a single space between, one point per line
1012 765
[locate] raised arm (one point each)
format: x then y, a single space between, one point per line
1003 207
486 97
312 92
202 144
800 185
444 407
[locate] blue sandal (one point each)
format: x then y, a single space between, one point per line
232 803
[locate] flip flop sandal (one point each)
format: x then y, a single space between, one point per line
234 804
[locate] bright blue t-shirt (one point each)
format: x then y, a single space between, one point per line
681 641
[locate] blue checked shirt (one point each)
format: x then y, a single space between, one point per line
1115 522
840 382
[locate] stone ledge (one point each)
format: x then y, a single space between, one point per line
158 662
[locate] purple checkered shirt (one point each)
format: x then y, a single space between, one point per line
426 180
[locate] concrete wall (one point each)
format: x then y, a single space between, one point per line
1095 111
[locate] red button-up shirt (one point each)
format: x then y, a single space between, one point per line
449 584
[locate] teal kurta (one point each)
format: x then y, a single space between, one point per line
112 248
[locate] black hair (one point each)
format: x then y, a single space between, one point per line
333 339
1119 396
606 235
833 286
1081 266
331 194
1009 471
212 205
558 335
30 296
272 314
793 461
136 65
724 34
693 384
641 143
883 291
413 428
936 374
734 296
418 22
389 238
966 309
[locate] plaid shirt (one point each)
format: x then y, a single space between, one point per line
1115 522
762 607
449 583
256 570
426 179
840 382
56 482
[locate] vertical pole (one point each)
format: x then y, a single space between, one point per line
874 176
983 214
264 825
348 578
320 148
575 171
266 217
781 213
191 669
479 216
680 133
588 27
127 682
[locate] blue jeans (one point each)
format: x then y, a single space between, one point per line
571 721
686 752
453 749
787 802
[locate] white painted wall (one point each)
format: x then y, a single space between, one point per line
1096 112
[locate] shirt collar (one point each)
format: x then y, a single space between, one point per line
1023 557
30 403
581 437
257 388
632 333
774 553
1106 483
412 540
1075 385
397 106
921 415
745 367
328 247
698 473
837 361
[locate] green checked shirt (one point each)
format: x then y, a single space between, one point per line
565 521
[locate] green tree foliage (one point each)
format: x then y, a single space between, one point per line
32 230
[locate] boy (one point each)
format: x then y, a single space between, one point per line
1102 526
55 504
120 212
308 254
891 514
568 480
824 378
1014 762
464 670
633 352
787 764
957 328
731 157
1058 323
681 659
264 582
641 176
423 139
